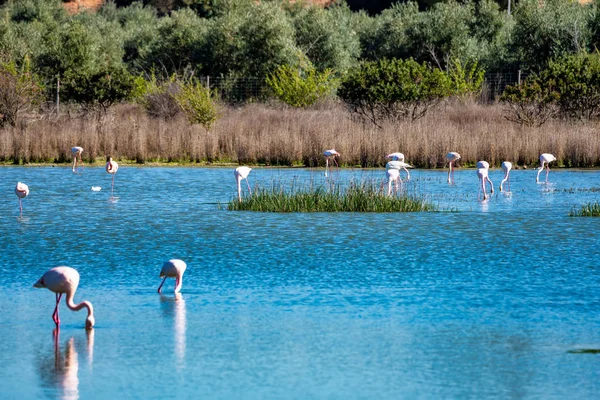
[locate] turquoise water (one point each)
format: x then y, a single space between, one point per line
484 302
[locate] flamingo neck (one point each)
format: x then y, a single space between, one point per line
77 307
179 283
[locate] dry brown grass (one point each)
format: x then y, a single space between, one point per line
278 136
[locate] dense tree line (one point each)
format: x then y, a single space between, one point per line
241 38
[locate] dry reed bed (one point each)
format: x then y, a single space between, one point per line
258 134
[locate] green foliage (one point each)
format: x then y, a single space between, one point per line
20 90
393 90
301 87
569 87
198 104
102 88
556 29
591 209
577 79
364 196
532 103
465 81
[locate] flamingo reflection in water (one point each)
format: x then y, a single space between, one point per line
62 373
176 306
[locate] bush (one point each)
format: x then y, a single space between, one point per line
197 102
532 103
301 87
393 90
19 92
103 88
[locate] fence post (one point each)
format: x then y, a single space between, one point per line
519 77
58 96
208 82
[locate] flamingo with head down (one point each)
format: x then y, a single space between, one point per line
22 191
332 153
173 269
64 280
506 167
452 158
545 158
242 173
76 153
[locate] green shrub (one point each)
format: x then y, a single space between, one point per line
393 90
587 210
198 104
301 87
20 90
532 103
100 89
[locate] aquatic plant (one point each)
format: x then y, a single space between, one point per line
357 196
587 210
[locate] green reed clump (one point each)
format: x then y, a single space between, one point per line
587 210
356 197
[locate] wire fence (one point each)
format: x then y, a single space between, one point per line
242 89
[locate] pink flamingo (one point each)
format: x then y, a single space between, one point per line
452 157
545 158
485 165
64 280
328 154
400 158
173 269
22 191
242 173
76 152
506 167
112 167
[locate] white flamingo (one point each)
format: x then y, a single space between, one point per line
486 166
400 157
242 173
452 157
545 158
482 174
76 153
328 154
22 191
393 176
112 167
506 167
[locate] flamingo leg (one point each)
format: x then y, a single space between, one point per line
161 285
20 206
547 171
450 172
247 183
112 186
55 316
326 165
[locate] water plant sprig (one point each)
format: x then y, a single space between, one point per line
591 209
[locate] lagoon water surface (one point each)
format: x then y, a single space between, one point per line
500 299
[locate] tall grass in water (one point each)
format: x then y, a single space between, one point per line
259 134
363 196
587 210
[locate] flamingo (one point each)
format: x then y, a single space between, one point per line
545 158
76 152
452 157
327 154
64 280
173 269
22 191
485 165
506 167
393 176
242 173
482 174
400 157
112 167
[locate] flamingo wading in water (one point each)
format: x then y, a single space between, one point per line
64 280
452 157
400 158
393 176
112 167
242 173
484 165
76 153
545 158
506 167
328 154
22 191
482 174
173 269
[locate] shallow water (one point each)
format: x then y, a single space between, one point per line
489 301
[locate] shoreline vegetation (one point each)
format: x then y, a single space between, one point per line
274 135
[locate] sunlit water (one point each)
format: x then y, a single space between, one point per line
484 302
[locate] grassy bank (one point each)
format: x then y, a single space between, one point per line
586 210
258 134
363 196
